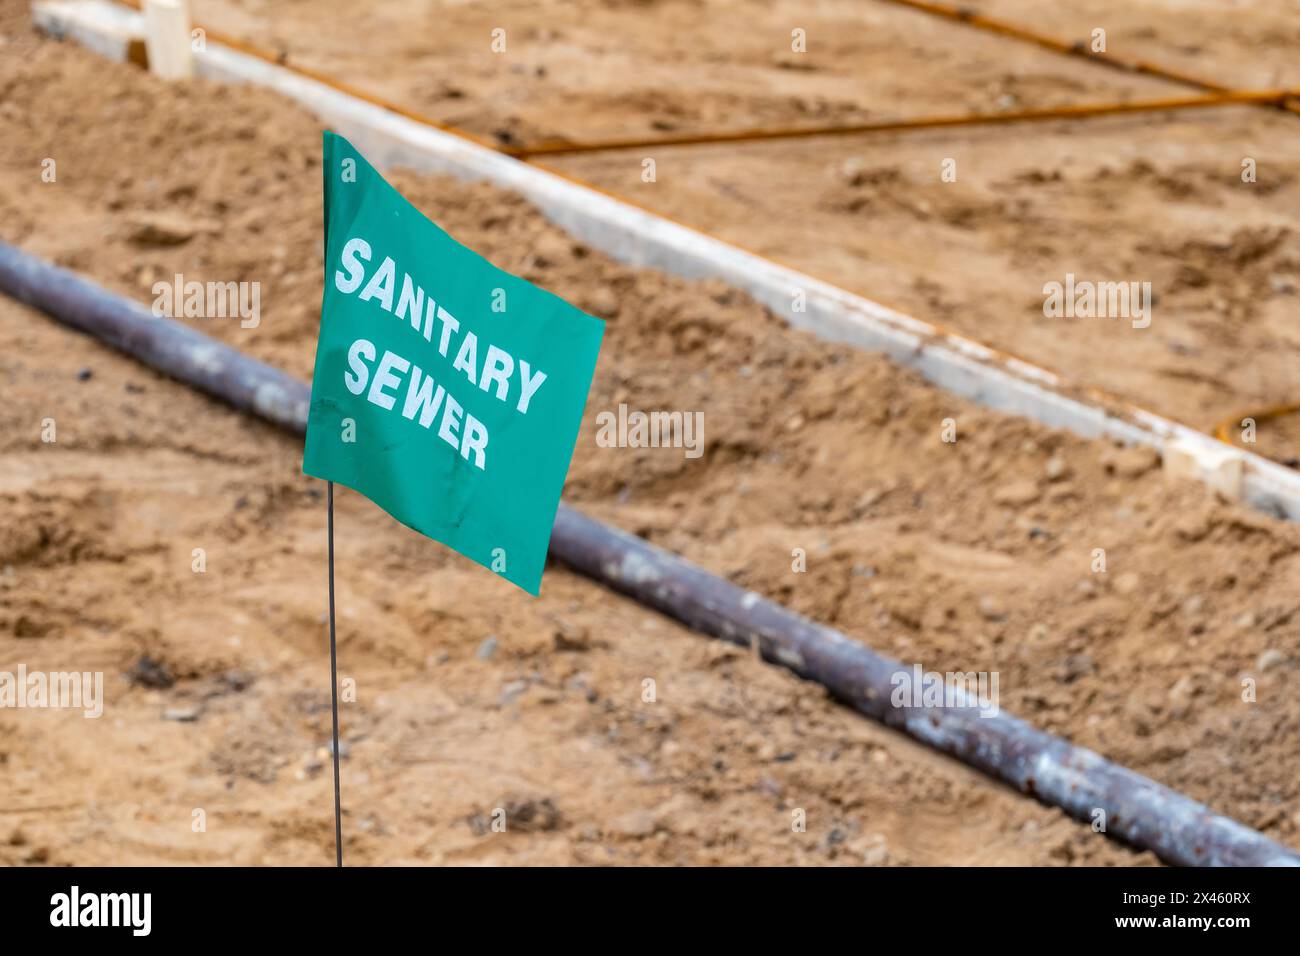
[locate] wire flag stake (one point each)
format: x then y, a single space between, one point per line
334 681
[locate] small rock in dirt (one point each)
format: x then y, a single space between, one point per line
235 681
84 375
870 497
40 855
1127 584
1270 658
1017 493
571 637
166 229
874 850
1192 527
634 825
1076 666
511 692
487 648
1184 689
851 171
990 609
1056 469
186 714
602 303
551 249
147 672
671 814
1133 462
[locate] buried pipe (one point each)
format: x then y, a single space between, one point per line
1136 810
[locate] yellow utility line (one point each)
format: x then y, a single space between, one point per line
1220 97
1085 111
1223 431
281 60
1078 48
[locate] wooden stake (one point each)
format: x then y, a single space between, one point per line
167 38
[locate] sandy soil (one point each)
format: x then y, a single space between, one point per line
1202 38
1153 199
974 555
1150 200
605 68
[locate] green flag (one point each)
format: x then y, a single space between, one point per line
446 391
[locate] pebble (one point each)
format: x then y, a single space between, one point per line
853 171
602 303
1184 689
635 825
1135 461
1127 584
487 648
877 853
510 693
673 814
1270 658
551 249
1192 527
1017 493
1056 469
166 229
1076 666
990 609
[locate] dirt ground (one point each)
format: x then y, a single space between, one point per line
593 69
973 555
1248 44
1152 198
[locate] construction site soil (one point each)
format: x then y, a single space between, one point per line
961 227
974 555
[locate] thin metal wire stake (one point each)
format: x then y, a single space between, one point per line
334 685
